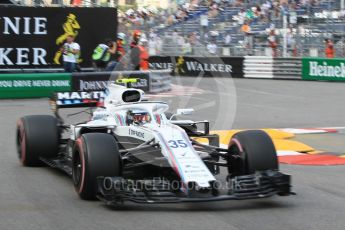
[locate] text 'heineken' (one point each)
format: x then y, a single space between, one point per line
325 70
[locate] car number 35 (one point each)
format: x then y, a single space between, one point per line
177 144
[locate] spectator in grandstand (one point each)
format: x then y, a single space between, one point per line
152 46
266 10
205 38
246 30
291 42
135 51
212 47
102 54
241 17
250 15
213 11
272 42
120 52
227 40
159 44
187 47
135 39
144 54
175 35
329 50
152 34
71 53
139 56
180 43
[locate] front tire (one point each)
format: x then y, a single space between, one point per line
94 155
37 136
254 151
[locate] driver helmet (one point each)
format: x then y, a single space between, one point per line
137 117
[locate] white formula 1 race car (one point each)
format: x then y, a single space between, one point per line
133 150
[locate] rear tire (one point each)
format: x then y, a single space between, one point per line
37 136
255 151
94 155
169 115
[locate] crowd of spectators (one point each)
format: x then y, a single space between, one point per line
151 16
264 12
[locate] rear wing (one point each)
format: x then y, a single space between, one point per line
84 99
77 99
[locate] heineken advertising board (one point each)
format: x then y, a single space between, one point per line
323 69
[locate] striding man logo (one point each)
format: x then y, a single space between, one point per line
179 65
70 27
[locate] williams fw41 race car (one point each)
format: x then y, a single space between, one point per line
134 150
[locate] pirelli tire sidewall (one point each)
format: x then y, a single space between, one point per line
37 136
255 150
94 155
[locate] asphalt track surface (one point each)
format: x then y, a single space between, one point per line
41 198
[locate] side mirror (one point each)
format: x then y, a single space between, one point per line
185 111
182 112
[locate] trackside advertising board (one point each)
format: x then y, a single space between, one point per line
31 37
99 81
322 69
200 66
33 85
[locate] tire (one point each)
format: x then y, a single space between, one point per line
94 155
256 152
37 136
169 115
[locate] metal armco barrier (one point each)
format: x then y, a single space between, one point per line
33 85
160 81
268 67
258 67
287 68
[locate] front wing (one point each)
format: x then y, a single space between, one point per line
116 190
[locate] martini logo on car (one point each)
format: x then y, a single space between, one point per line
80 95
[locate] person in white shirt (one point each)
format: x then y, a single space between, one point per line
187 47
152 46
227 40
212 48
71 51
